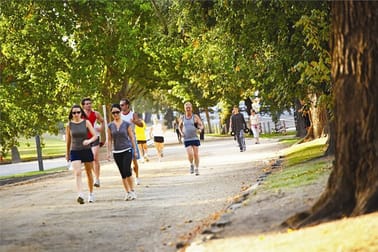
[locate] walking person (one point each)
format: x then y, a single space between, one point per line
255 125
190 125
140 133
97 122
78 149
157 133
121 135
132 118
176 129
237 127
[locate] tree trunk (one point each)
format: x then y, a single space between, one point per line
331 142
352 188
300 124
208 120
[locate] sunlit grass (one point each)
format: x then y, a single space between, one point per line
303 164
52 146
35 173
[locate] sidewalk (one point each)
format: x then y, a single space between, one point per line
23 167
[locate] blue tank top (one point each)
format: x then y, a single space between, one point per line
190 131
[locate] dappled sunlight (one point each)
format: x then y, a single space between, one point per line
349 234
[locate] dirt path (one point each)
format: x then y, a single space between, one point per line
44 216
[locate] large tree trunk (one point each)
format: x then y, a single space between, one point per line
352 187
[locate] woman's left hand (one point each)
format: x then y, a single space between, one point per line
86 142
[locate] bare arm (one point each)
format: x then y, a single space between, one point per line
109 142
68 142
131 136
101 120
198 120
136 120
93 133
181 126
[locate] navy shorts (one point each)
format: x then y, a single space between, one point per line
84 156
192 143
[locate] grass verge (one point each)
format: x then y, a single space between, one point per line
303 164
29 175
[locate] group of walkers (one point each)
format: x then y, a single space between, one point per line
83 141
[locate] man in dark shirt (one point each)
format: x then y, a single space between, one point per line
237 126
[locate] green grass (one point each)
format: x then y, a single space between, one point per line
52 146
303 164
35 173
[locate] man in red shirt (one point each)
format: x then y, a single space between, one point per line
97 122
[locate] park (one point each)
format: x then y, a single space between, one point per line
317 59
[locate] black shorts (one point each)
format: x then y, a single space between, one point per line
192 143
141 141
158 139
95 143
84 156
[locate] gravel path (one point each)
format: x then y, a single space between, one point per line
42 215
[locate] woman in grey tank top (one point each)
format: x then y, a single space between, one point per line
121 134
78 149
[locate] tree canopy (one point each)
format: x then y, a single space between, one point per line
53 53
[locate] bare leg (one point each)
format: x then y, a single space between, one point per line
189 151
88 168
76 167
96 163
196 156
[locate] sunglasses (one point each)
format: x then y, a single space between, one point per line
88 103
116 112
76 112
123 104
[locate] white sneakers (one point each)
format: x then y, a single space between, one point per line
130 196
91 198
191 169
137 181
97 183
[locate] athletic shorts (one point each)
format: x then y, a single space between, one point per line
95 143
192 143
84 156
158 139
141 141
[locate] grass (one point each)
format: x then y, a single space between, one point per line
303 164
52 146
33 174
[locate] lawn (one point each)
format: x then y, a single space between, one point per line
52 146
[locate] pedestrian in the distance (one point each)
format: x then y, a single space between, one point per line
255 125
78 149
190 126
140 134
157 133
237 127
121 135
176 129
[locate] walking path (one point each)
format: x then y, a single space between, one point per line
43 215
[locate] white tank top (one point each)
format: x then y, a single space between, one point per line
127 118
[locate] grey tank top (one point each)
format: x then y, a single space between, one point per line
121 140
79 133
190 132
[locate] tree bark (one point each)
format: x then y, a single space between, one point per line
352 188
